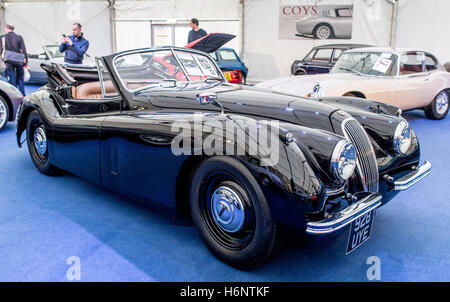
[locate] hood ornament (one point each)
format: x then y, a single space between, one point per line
316 92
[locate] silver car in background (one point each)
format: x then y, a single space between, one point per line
49 55
330 23
10 99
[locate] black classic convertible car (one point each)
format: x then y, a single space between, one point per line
163 125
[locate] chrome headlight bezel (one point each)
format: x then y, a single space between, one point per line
343 160
402 137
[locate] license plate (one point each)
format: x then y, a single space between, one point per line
360 230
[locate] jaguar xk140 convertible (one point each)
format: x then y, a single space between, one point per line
338 160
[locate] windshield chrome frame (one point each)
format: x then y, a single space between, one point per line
172 50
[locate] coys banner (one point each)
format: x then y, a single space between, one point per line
315 22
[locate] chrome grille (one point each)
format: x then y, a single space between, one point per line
366 166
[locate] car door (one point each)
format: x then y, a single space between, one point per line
135 144
413 84
76 134
320 61
136 155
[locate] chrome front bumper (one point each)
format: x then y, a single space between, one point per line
410 179
366 203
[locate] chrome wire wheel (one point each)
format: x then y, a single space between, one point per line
323 32
40 142
3 113
442 103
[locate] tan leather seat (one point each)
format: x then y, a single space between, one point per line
92 90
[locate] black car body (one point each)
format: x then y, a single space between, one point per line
321 59
111 130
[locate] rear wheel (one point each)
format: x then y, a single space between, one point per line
323 32
300 72
4 113
439 107
231 213
38 144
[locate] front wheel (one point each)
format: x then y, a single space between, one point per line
438 108
37 142
4 113
231 213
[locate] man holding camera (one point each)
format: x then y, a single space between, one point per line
74 46
14 54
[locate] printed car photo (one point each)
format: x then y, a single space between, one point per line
328 164
321 59
333 23
408 79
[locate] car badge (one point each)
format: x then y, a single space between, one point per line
316 91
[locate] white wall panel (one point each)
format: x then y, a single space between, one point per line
43 23
425 25
177 9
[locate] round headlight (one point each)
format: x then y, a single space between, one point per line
402 137
343 160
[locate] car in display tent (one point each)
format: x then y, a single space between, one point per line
124 126
49 55
408 79
227 59
10 99
321 59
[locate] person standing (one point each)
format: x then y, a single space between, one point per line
196 32
14 54
74 46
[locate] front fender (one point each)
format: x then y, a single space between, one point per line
40 100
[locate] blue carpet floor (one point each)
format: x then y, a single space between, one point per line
45 220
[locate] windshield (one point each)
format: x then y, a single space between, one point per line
367 63
53 51
146 69
227 55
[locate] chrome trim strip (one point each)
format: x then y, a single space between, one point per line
344 217
413 177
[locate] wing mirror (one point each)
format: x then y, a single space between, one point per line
209 98
206 98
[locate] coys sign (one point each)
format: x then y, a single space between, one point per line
315 21
298 10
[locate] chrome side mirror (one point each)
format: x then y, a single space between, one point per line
206 98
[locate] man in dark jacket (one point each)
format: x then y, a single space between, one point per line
14 54
75 46
196 32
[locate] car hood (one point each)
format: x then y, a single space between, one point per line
304 84
252 102
210 43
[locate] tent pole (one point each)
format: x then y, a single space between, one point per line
2 16
241 27
393 37
112 24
